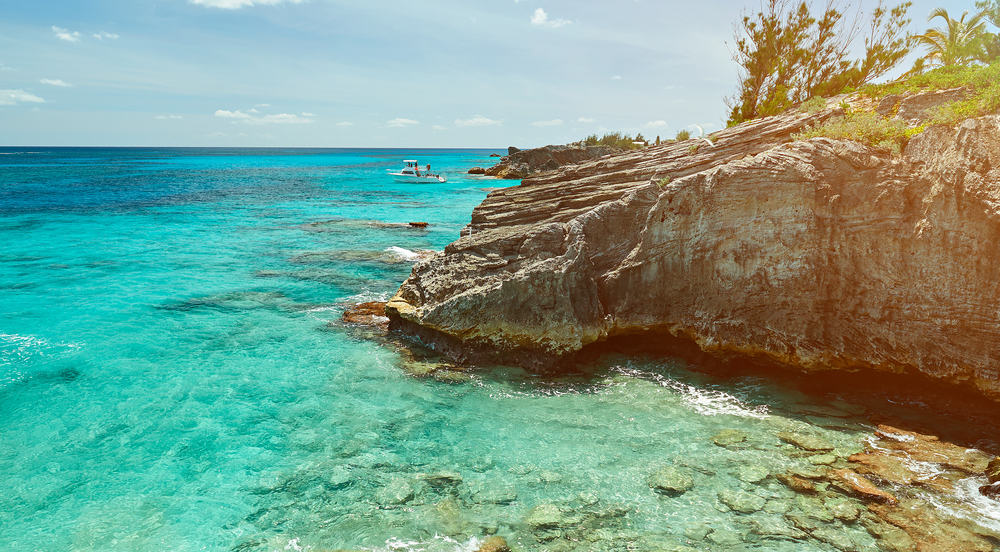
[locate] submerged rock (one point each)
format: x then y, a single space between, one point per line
752 474
544 516
811 443
671 481
740 501
494 544
729 438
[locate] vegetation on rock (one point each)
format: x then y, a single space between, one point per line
788 55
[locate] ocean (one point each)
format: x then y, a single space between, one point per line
174 376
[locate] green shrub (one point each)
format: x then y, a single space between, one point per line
865 127
813 105
682 135
662 183
613 139
693 148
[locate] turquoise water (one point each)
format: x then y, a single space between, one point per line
173 377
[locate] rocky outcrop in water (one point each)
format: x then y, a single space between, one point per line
523 163
816 255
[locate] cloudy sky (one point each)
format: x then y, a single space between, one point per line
386 73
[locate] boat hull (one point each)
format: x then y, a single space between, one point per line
418 179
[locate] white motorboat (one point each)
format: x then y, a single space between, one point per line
411 173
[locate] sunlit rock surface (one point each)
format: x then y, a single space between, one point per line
818 255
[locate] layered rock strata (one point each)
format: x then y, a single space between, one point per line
523 163
818 255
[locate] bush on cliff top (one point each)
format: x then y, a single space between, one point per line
613 139
868 128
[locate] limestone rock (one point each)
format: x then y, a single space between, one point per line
671 481
993 470
522 163
477 170
817 255
544 516
494 544
862 487
729 438
805 442
742 502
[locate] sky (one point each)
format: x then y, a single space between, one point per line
365 73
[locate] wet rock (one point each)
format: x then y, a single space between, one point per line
544 516
742 502
928 448
493 495
494 544
993 470
813 508
890 537
397 491
931 530
991 491
418 224
697 531
777 506
729 438
797 484
549 476
811 443
843 509
371 313
807 472
861 487
442 480
771 528
477 170
451 376
671 481
724 537
752 474
339 478
822 459
836 538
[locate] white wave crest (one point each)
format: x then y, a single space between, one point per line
402 253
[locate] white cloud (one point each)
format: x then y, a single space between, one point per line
66 34
345 124
586 120
307 114
103 34
401 122
541 19
439 127
237 4
276 118
477 120
553 122
5 67
56 82
656 124
168 117
14 97
616 77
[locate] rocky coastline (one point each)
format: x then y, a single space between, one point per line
814 255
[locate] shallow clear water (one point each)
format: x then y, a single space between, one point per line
170 378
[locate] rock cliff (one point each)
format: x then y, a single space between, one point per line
523 163
816 255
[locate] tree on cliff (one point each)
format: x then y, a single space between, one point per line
788 55
959 42
991 41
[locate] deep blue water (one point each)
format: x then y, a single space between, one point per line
173 376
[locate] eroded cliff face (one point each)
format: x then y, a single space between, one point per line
817 254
